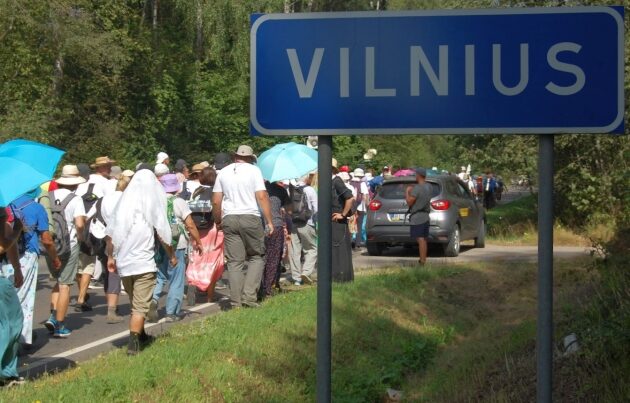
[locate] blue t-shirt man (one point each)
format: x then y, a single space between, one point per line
34 219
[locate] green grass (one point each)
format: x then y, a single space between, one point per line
516 223
439 334
268 354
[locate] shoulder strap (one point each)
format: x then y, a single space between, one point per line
66 200
90 189
98 215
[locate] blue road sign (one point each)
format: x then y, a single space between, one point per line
526 70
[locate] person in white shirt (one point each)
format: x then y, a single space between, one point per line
238 199
139 214
111 280
74 214
463 174
98 184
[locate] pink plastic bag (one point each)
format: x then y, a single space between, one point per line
206 268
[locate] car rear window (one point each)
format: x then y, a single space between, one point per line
397 190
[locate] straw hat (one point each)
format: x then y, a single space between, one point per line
197 168
100 161
70 176
128 173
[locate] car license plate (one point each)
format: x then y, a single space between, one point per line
397 217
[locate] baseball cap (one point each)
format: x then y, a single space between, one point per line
421 172
161 157
221 160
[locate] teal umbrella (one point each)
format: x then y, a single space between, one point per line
24 165
287 161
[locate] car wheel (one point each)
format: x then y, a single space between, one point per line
375 248
480 241
451 249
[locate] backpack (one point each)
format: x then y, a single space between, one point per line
90 244
201 207
89 198
301 212
359 199
176 228
185 193
61 236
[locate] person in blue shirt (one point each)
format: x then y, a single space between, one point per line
35 228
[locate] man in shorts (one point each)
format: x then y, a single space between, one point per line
75 219
418 199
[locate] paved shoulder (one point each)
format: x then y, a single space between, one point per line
404 256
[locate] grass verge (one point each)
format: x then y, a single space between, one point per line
441 334
516 223
380 335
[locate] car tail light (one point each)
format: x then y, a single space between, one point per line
375 205
441 205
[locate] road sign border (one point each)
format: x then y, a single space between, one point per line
440 130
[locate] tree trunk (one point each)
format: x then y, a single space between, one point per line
199 30
156 5
288 6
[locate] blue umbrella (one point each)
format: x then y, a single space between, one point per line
287 161
24 165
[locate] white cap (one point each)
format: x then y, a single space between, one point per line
358 173
344 176
161 157
160 169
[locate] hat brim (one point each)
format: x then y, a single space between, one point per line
110 162
70 181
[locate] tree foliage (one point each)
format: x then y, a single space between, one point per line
127 78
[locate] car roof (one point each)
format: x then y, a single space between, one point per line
412 179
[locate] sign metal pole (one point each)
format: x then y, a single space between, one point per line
324 271
544 339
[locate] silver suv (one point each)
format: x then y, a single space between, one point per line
455 215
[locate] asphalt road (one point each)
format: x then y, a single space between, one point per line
92 335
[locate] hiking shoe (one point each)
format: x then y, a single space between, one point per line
152 315
51 324
250 304
172 318
191 295
114 318
12 381
133 346
61 332
306 279
297 282
146 339
84 307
